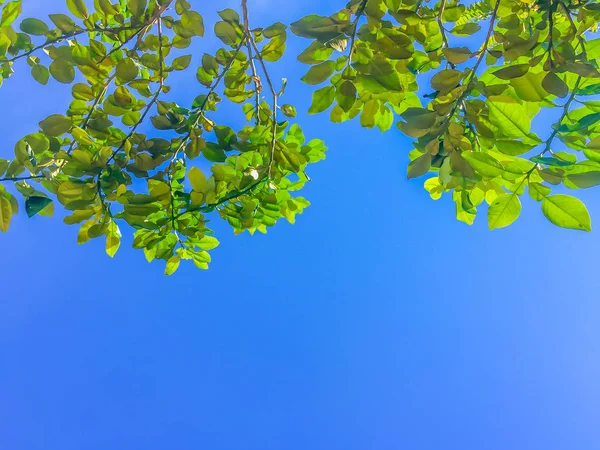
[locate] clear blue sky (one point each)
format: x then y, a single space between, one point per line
376 322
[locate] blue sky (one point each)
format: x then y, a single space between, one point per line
376 322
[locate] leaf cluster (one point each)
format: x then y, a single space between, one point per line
464 81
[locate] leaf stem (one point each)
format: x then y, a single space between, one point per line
556 126
255 77
359 12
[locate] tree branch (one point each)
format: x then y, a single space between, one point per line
274 112
30 177
71 35
97 100
255 77
359 12
211 90
473 73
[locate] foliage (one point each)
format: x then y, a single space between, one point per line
375 60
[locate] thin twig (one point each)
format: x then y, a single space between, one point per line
97 100
70 35
31 177
232 196
550 28
473 73
211 90
578 36
440 21
122 44
154 98
359 12
255 77
564 114
261 61
274 112
567 105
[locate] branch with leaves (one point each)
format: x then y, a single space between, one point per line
124 156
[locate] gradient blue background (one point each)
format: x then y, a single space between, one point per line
376 322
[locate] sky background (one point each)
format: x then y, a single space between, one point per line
376 322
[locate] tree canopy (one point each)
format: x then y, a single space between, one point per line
465 80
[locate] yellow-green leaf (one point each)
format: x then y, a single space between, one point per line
9 13
5 213
113 239
172 265
62 71
567 212
504 211
137 7
322 99
34 26
197 179
55 125
78 8
484 164
319 73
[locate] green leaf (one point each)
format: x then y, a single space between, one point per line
583 123
322 28
319 73
34 26
229 15
381 84
504 211
226 32
40 73
457 55
529 87
127 70
446 79
35 204
274 50
538 191
419 118
3 166
63 23
509 116
551 161
55 125
322 99
62 71
78 8
207 243
554 85
567 212
585 179
193 21
288 110
113 239
434 187
197 180
510 72
5 213
172 265
419 166
315 53
513 148
9 13
484 164
137 7
182 62
466 30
